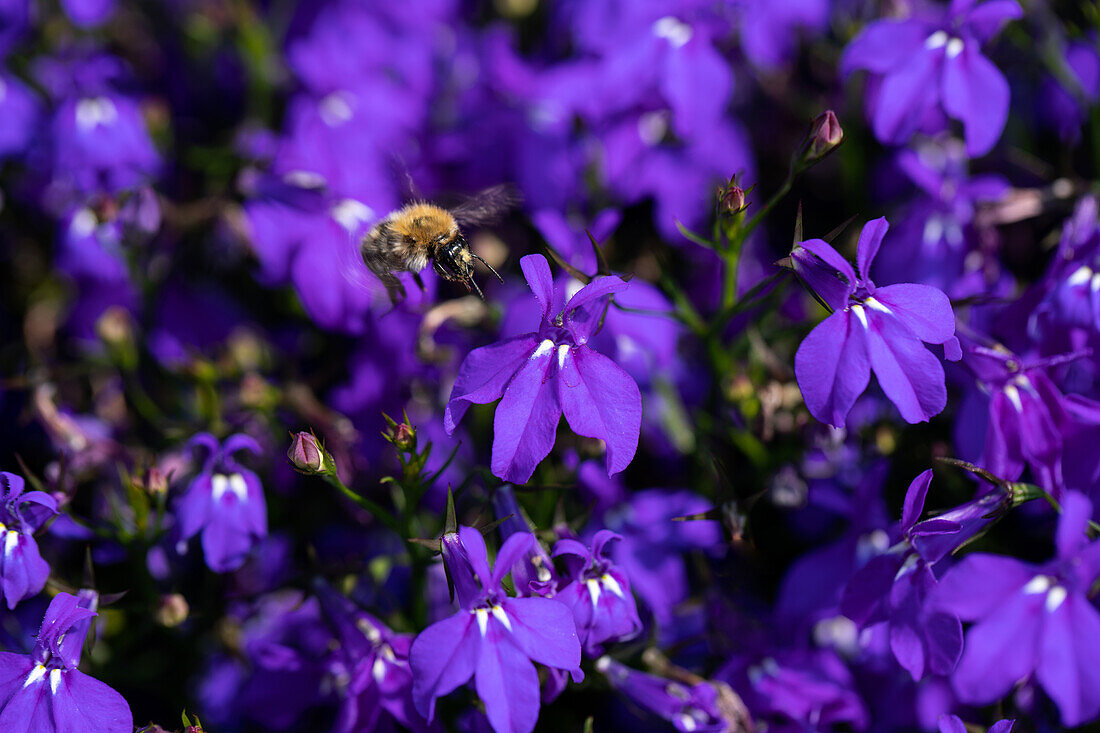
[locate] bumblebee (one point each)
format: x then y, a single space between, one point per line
419 233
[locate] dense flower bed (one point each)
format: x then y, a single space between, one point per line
271 463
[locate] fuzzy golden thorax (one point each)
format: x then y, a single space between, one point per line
424 223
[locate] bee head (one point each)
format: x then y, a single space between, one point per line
454 261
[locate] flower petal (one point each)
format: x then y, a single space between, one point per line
513 549
976 93
906 95
981 583
443 657
484 374
1069 659
883 45
923 309
526 421
537 271
914 499
507 682
478 556
908 373
585 309
83 704
832 367
600 400
544 629
986 20
1000 650
820 272
870 239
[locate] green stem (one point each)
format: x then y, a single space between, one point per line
377 510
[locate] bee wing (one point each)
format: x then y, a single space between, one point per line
350 257
487 206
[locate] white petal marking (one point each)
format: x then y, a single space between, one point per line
36 675
501 616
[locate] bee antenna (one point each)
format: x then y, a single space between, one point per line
479 293
482 259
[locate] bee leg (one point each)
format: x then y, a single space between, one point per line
394 288
418 281
482 260
473 283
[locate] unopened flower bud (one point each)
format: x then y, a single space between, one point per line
155 481
173 610
306 454
731 197
825 135
402 435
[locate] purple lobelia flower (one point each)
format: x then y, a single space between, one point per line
599 594
548 372
693 708
871 328
371 665
23 572
932 61
88 13
492 637
46 693
894 588
101 144
1032 620
21 109
225 501
1025 418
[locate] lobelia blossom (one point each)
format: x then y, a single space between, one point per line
599 594
1031 620
371 665
1025 418
546 373
871 329
894 588
493 637
696 708
225 502
46 693
932 61
23 572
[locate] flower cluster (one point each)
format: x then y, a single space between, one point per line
209 210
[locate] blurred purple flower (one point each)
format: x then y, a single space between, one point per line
935 242
23 572
101 144
88 13
769 30
20 109
933 60
549 372
894 588
811 688
651 551
1064 109
871 328
225 501
691 709
1032 620
954 724
599 593
46 693
371 665
492 637
1024 417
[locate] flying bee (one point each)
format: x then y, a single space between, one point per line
418 233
